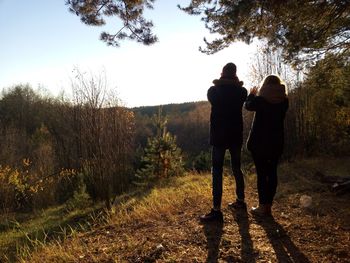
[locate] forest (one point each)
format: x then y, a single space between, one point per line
53 147
90 156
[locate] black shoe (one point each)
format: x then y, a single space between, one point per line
238 205
214 215
262 210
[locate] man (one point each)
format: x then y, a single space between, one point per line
226 132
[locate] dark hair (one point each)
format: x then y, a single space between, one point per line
230 68
229 71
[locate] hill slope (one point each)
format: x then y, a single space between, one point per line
162 225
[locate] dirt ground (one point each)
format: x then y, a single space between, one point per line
292 235
319 233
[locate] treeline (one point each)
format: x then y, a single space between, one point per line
55 150
317 122
189 122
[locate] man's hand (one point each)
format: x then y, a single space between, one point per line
253 90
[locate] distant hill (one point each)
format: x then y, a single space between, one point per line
169 109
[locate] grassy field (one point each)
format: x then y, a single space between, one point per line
161 224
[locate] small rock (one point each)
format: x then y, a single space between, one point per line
160 247
305 201
285 216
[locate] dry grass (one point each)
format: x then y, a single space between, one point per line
162 225
160 208
21 233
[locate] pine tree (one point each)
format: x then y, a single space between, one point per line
306 30
162 158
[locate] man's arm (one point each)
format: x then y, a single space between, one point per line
211 95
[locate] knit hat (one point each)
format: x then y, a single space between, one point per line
229 70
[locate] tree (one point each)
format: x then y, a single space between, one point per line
189 122
162 157
267 61
304 29
104 133
130 12
300 27
328 116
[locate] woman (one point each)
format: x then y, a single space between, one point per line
266 137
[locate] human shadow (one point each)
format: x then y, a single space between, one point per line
213 232
286 251
248 254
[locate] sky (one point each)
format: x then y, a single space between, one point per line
42 43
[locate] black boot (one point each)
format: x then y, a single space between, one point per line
238 205
214 215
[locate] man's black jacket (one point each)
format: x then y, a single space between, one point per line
226 123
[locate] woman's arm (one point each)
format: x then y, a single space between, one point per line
251 103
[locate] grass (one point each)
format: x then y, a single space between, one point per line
161 224
164 203
21 232
164 199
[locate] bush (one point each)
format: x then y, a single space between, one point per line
202 162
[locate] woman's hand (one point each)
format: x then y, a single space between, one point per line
253 90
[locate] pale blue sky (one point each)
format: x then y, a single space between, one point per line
41 43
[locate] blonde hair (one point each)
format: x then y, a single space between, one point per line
272 80
272 89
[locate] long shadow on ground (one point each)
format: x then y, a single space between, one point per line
248 254
286 251
213 232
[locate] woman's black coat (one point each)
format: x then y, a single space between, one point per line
266 137
226 123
